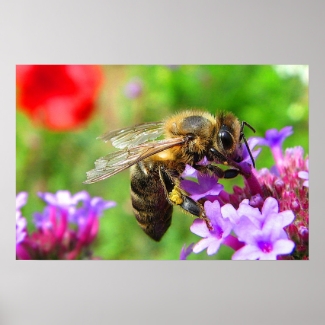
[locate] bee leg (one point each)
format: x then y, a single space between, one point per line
196 209
229 173
177 197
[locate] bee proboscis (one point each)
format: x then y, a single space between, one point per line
157 165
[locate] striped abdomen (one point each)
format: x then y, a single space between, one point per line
151 208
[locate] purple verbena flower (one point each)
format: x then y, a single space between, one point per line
190 172
21 223
21 228
286 186
87 218
263 232
64 200
66 227
207 185
269 215
274 139
21 231
212 239
186 251
52 232
21 200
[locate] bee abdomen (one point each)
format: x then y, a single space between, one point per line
150 206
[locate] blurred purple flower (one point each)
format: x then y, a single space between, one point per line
21 228
212 239
52 223
21 200
87 218
133 88
54 238
64 200
274 139
21 222
44 220
21 231
186 251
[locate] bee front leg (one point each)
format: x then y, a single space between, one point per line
177 197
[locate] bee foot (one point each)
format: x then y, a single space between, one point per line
208 223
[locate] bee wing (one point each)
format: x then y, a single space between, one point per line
120 160
135 135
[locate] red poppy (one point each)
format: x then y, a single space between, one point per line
58 97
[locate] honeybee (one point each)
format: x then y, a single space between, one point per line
156 165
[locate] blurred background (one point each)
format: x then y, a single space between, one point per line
62 109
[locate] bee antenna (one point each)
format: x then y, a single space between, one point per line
242 127
242 137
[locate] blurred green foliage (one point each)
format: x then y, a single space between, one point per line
50 161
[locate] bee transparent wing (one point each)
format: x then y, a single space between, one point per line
120 160
135 135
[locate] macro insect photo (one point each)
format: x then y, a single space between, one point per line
162 162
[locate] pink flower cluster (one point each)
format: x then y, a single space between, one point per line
64 230
266 219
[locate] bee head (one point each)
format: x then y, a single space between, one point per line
227 134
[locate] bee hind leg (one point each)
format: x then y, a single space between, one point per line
177 197
196 209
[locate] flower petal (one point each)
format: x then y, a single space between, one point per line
81 196
283 246
212 210
247 231
203 244
21 200
214 247
251 213
270 206
247 252
286 217
186 251
228 211
189 171
200 228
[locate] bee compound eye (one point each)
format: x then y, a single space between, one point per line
226 139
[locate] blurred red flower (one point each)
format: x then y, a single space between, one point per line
58 97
